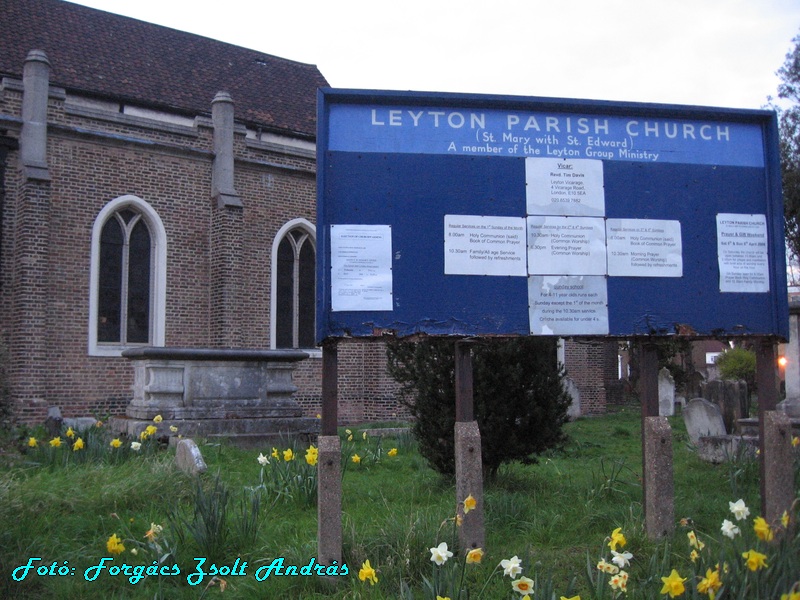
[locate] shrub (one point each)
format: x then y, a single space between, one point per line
519 401
738 363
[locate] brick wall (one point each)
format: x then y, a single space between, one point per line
592 365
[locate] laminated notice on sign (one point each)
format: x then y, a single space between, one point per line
644 248
556 186
566 246
742 253
361 267
568 305
476 245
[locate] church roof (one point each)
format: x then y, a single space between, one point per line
104 55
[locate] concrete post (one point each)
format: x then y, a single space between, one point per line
778 465
329 500
659 494
33 137
469 481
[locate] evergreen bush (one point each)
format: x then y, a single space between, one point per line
520 402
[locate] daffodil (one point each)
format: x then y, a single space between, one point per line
474 556
364 436
694 542
469 504
274 453
350 438
572 598
32 442
794 593
617 539
151 429
114 545
511 566
607 567
115 443
136 446
763 530
312 455
739 509
755 560
143 435
673 585
355 458
78 445
619 581
710 584
153 532
785 519
729 529
55 442
367 573
70 432
392 452
262 460
438 597
693 555
795 441
522 586
288 455
440 554
173 429
621 559
157 419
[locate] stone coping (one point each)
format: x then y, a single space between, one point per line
212 354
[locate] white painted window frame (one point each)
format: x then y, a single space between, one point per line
158 275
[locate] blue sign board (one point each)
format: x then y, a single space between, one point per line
465 215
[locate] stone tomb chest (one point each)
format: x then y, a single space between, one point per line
244 395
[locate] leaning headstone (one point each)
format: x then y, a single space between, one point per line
666 393
188 457
52 424
728 396
574 410
702 419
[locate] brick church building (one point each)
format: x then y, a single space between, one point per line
158 188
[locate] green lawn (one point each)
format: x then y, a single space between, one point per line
551 515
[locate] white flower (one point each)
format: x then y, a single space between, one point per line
136 446
729 529
621 559
262 460
739 510
511 566
440 554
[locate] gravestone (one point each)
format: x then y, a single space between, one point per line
731 397
188 457
52 424
574 410
694 385
702 419
666 393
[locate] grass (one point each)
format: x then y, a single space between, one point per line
552 515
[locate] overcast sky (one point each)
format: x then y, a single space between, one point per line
697 52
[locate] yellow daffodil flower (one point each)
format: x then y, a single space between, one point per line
173 429
70 432
617 539
274 453
367 573
785 519
694 542
710 584
312 455
392 452
573 598
438 597
288 455
98 424
755 560
151 429
157 419
794 593
607 567
693 555
469 504
364 436
474 556
143 435
115 443
78 445
763 530
153 532
350 438
55 442
673 585
619 581
523 585
114 545
356 459
32 442
795 441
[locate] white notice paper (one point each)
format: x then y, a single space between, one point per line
644 248
475 245
568 305
742 253
565 187
361 267
566 246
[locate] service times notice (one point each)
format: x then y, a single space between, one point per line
477 245
644 248
568 305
